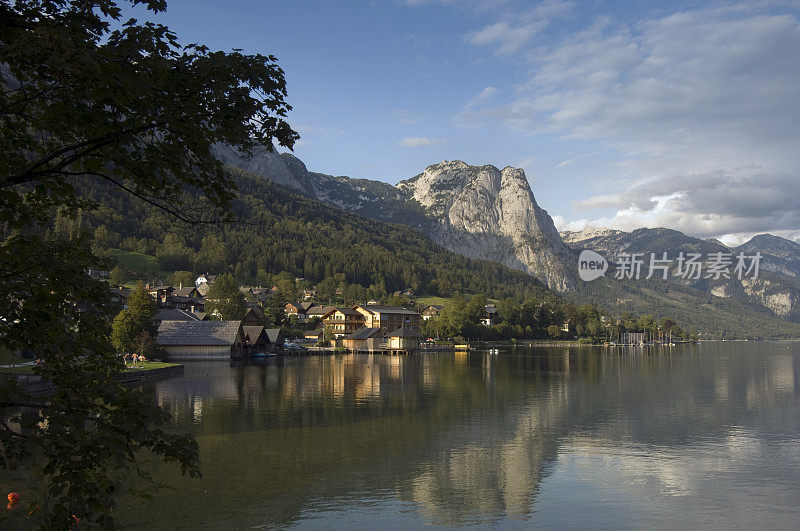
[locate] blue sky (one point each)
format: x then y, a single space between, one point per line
623 114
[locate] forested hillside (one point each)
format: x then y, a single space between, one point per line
281 231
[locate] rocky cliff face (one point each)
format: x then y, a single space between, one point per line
491 214
284 169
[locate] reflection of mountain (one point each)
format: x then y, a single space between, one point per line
473 440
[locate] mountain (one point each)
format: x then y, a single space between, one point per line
286 231
491 214
779 255
776 289
476 211
613 242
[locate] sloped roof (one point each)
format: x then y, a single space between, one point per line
273 334
347 311
319 310
405 332
184 292
198 333
159 288
366 333
380 308
176 315
252 333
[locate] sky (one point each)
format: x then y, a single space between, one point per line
623 114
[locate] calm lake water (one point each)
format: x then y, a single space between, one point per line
690 436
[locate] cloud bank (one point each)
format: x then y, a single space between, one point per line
701 105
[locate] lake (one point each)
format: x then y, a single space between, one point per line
688 436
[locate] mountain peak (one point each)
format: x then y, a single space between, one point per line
491 214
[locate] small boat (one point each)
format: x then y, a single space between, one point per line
461 347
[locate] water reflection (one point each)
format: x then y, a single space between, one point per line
657 437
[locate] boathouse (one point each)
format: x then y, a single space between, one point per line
404 339
365 340
201 340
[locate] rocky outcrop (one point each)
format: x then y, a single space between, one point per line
491 214
284 169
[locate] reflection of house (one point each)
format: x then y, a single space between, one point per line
388 317
431 311
404 339
201 339
365 340
342 321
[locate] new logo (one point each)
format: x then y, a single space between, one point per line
591 265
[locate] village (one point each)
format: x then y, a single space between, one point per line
189 328
186 331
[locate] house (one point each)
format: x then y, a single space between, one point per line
388 317
204 279
309 294
490 316
119 296
373 302
254 315
404 339
314 335
293 309
365 340
201 340
342 321
188 291
318 311
255 339
566 325
190 304
275 337
202 289
161 294
431 311
99 274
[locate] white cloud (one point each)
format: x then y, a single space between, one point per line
701 105
418 141
509 36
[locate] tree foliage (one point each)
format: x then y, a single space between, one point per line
82 103
224 300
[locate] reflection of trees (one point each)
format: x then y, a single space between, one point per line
464 439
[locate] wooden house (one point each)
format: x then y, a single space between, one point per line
388 317
404 339
255 339
431 311
201 340
254 316
365 340
342 321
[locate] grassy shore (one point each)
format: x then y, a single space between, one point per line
148 366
